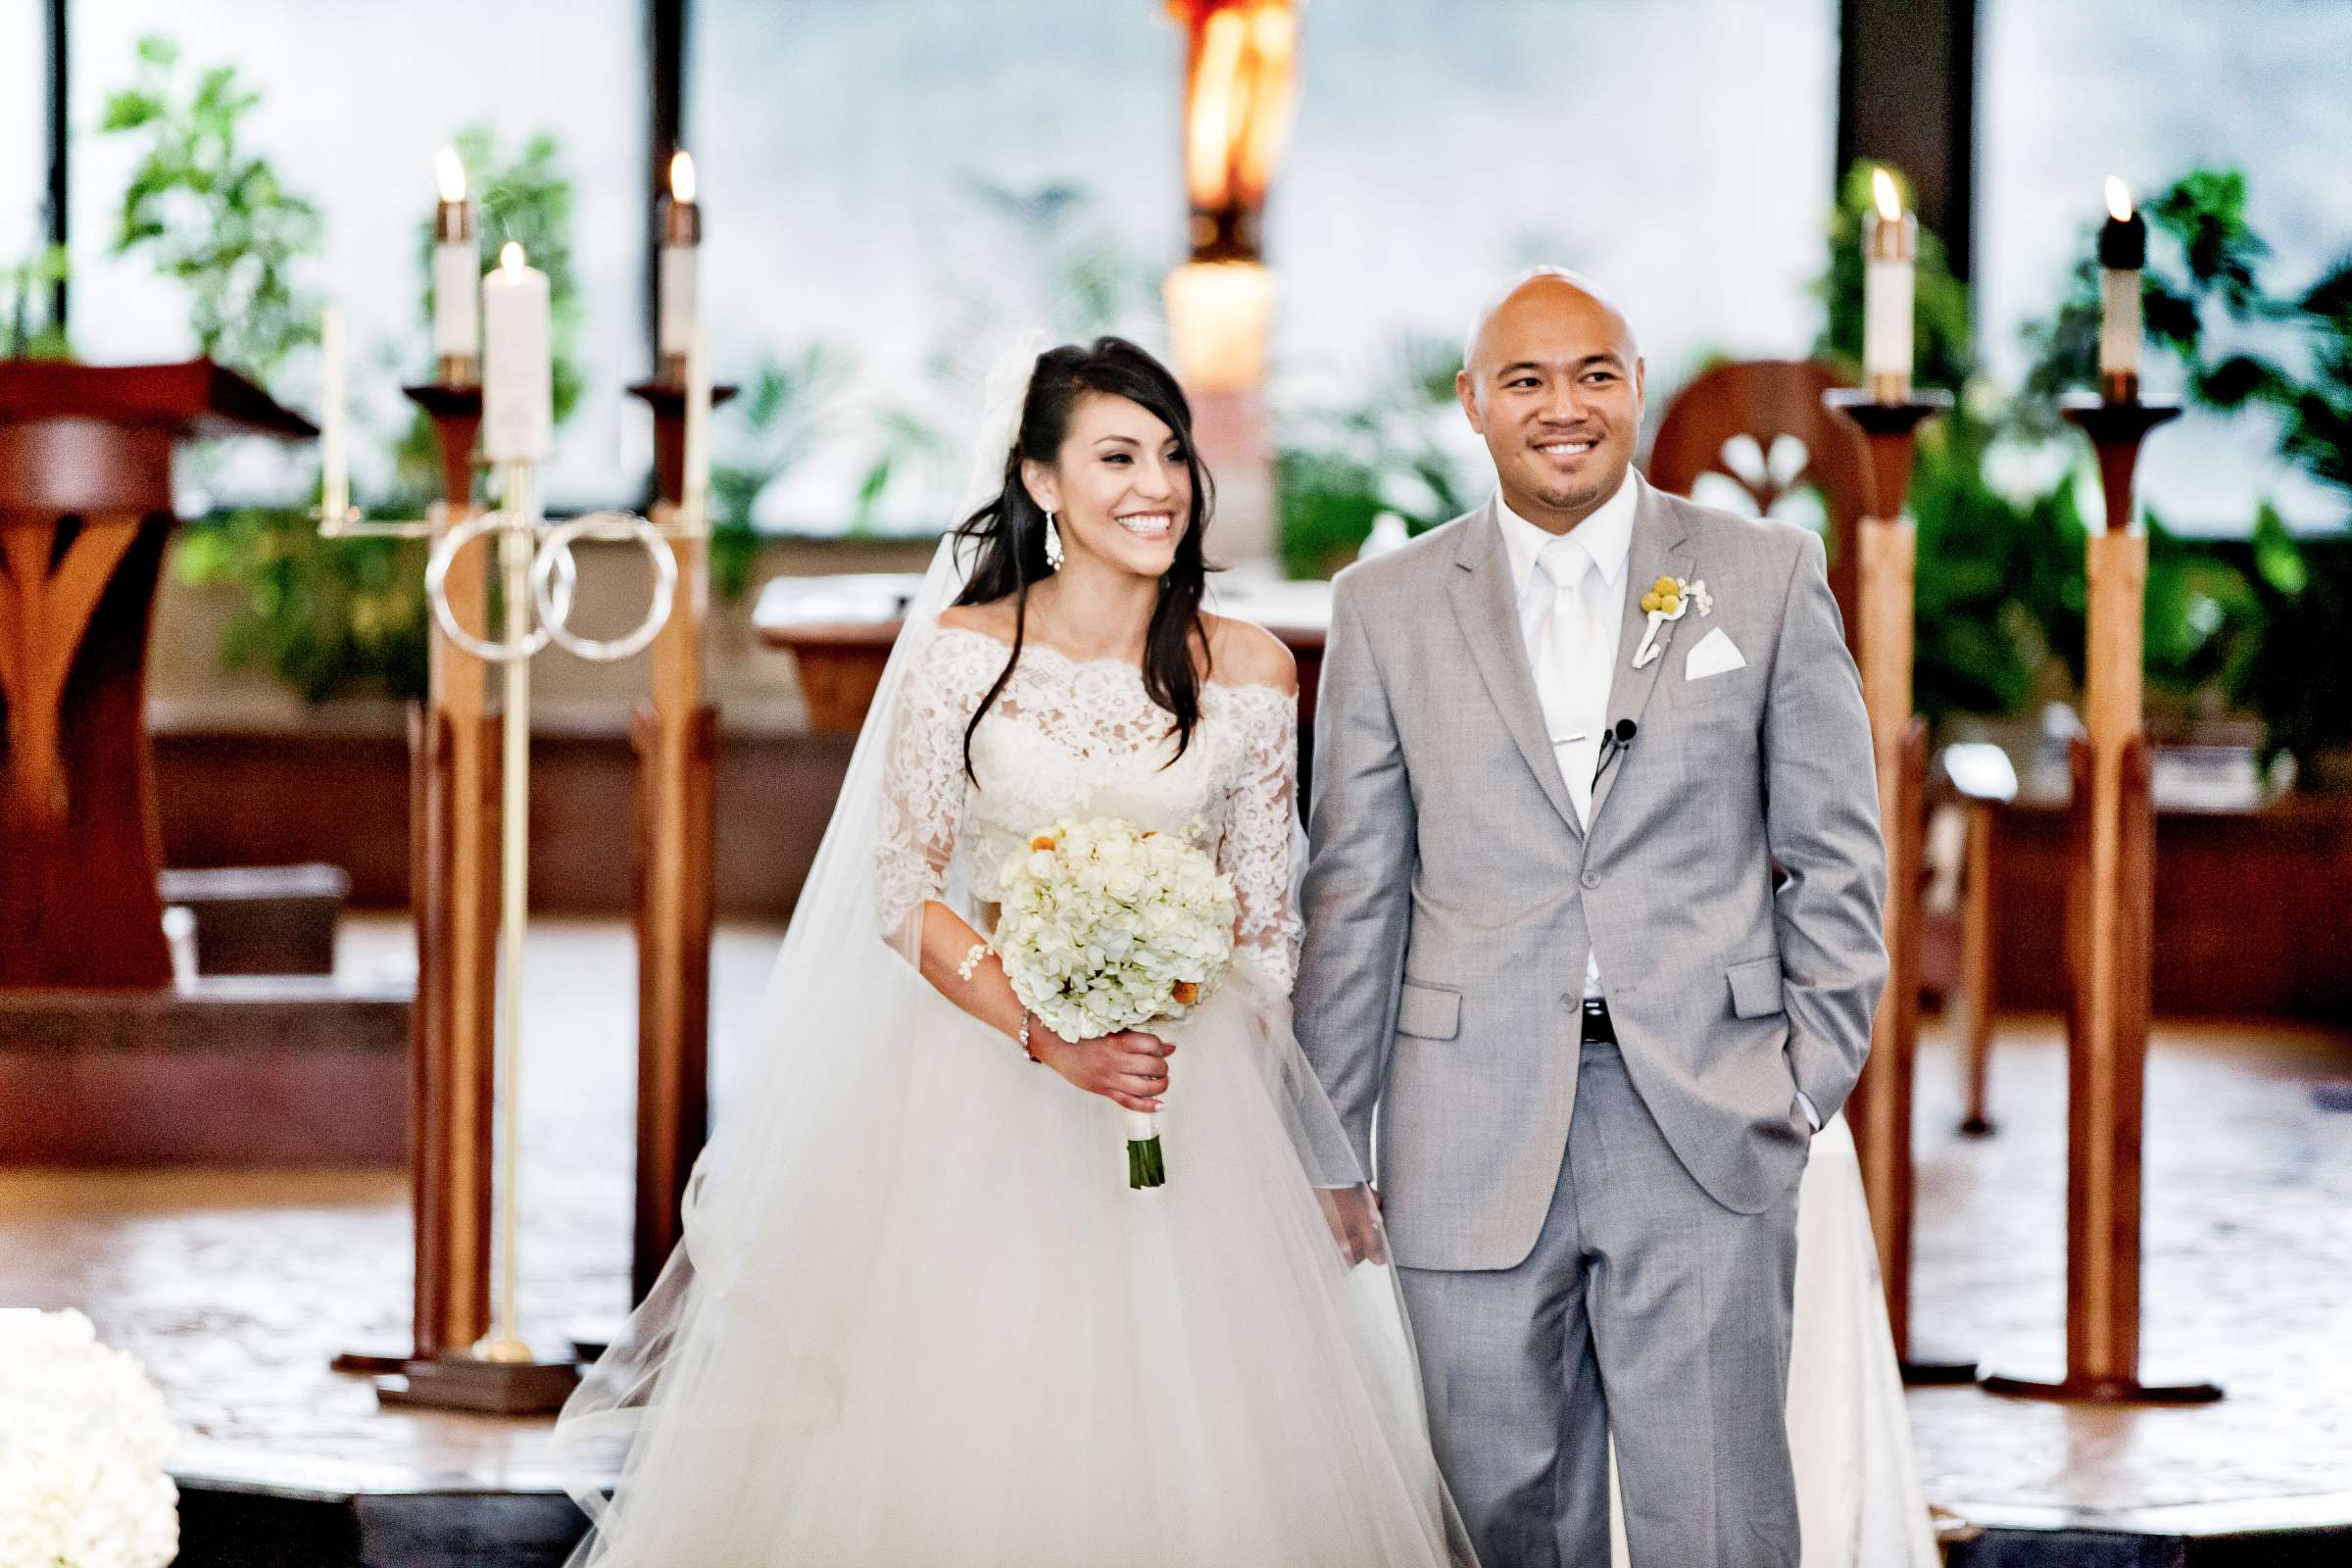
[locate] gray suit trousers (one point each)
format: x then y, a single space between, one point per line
1645 1295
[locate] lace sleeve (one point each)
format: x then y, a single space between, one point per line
1261 831
923 792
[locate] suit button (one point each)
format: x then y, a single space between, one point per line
1572 1001
1591 879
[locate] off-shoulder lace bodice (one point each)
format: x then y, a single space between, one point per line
1083 738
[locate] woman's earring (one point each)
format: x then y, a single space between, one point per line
1052 545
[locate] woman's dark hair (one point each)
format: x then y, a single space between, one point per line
1010 531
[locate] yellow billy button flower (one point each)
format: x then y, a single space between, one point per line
1186 992
1043 841
1649 603
1665 586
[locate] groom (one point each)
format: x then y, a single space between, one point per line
1592 923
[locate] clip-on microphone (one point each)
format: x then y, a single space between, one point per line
1613 742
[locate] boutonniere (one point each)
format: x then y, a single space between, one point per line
1669 598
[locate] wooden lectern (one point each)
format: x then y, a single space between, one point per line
85 506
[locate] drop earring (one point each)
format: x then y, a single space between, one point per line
1052 545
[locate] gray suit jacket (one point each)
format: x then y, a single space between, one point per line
1452 895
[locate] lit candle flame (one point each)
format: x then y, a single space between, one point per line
1244 81
1883 191
1213 108
510 256
450 169
2118 199
681 177
1274 32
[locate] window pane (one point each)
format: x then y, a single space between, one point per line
23 140
843 149
1683 159
355 102
2149 89
1439 146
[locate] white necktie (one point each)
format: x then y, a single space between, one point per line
1572 674
1572 679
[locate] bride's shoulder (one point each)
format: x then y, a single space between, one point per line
1240 654
994 619
966 654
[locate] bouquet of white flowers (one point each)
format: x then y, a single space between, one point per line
84 1438
1107 927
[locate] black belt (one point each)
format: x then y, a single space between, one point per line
1598 1027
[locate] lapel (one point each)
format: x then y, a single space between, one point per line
1658 551
1486 602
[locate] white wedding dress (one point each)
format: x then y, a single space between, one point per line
919 1317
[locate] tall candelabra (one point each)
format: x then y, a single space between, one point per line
1890 415
498 1371
2110 930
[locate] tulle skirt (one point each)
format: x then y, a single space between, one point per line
1858 1492
932 1325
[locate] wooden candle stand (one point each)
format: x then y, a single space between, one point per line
465 1360
1880 1108
454 889
676 734
456 782
2110 920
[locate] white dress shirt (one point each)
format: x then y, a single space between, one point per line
1572 632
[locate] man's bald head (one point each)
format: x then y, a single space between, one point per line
1542 277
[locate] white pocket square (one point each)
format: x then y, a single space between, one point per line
1713 655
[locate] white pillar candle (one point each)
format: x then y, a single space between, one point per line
456 267
2123 256
334 442
1889 240
695 491
517 372
681 248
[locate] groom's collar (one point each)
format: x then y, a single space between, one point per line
1607 534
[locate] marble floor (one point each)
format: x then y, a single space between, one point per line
236 1289
2247 1281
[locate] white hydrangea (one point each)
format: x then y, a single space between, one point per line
83 1438
1105 926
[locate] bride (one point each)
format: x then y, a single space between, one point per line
919 1317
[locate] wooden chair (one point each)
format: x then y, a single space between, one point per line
1765 400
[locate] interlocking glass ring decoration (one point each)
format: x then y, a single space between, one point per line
437 590
553 560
